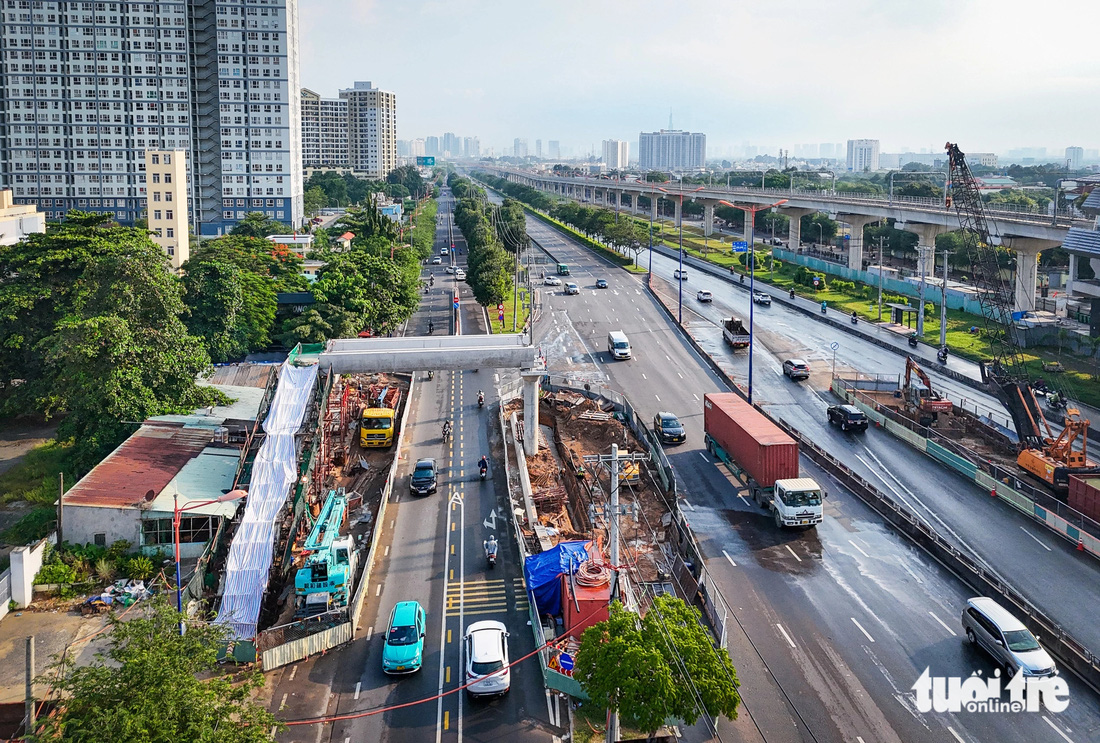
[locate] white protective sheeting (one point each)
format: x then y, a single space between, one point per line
274 474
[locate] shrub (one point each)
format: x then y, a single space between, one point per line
105 570
139 568
118 549
55 572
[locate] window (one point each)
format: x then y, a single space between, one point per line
168 215
156 159
193 529
101 539
156 214
171 232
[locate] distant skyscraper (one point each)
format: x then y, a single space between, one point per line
553 149
1075 156
471 147
519 148
672 150
616 154
431 147
862 155
416 148
324 131
452 145
372 129
538 149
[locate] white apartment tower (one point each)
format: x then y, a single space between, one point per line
324 131
670 149
166 194
372 129
862 155
87 88
1075 156
616 154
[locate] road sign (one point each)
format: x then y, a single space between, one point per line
500 307
834 345
456 303
426 161
740 246
500 315
565 660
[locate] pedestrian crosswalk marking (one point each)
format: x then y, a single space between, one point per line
485 597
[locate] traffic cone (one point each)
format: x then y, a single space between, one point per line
1080 545
993 492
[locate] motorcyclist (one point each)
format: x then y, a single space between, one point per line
792 293
855 317
431 280
480 397
431 327
491 546
824 306
446 428
483 463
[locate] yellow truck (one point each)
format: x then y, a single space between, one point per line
378 424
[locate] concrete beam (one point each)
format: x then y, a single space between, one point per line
855 243
423 353
794 232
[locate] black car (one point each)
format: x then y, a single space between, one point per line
669 428
423 480
848 417
601 283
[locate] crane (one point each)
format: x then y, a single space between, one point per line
324 582
1052 459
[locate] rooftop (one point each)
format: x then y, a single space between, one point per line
140 467
207 476
245 406
242 375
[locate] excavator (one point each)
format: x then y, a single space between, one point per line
925 402
1049 458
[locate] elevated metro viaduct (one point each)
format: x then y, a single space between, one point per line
448 353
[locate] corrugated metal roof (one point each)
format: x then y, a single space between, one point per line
147 461
1093 200
203 478
242 375
1082 242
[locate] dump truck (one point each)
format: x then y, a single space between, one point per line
763 456
378 424
735 333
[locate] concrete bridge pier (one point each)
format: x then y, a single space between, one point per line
653 207
677 207
794 232
531 412
855 243
748 230
926 255
708 217
1027 251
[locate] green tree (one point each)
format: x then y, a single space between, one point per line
254 255
315 200
90 327
258 224
491 275
651 669
375 292
308 327
656 176
231 309
146 686
811 233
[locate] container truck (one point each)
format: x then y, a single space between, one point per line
763 456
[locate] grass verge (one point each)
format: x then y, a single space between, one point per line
36 480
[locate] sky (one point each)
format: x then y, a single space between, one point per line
991 75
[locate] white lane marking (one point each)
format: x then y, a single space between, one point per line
1064 736
916 577
785 635
386 552
858 739
704 456
658 399
370 631
865 632
1036 539
744 500
792 552
727 554
858 548
378 590
644 376
688 504
668 357
358 686
681 376
933 615
695 396
956 735
293 673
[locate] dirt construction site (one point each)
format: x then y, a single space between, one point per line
571 495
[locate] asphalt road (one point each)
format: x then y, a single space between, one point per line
432 552
831 627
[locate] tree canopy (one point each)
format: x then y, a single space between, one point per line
90 327
658 667
145 686
258 224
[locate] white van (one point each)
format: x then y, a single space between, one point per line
617 345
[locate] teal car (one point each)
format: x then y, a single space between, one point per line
404 648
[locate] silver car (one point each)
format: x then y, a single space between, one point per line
487 665
1003 636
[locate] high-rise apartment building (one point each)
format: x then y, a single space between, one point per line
672 149
324 131
471 147
416 148
520 148
431 147
538 149
166 195
1075 156
862 155
452 145
553 149
616 153
372 129
89 87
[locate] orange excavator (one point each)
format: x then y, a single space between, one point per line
1052 459
925 400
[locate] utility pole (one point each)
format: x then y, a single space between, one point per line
30 686
943 302
922 252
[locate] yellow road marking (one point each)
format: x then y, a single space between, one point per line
487 582
452 526
447 720
452 573
448 675
448 635
452 552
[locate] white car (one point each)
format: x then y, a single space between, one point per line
451 269
552 281
443 251
704 296
681 275
437 260
762 298
571 288
460 275
487 672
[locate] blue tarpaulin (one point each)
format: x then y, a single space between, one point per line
542 571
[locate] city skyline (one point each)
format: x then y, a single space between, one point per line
812 86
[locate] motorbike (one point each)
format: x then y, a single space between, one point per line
942 355
491 552
742 278
480 400
855 318
824 308
913 340
431 375
431 328
446 433
792 293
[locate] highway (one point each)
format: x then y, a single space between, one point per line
834 625
432 553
